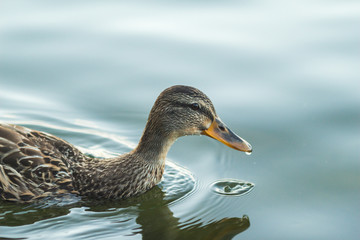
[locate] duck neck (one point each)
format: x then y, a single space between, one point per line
154 145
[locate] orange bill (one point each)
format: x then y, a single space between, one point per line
219 131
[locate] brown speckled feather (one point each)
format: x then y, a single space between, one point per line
33 164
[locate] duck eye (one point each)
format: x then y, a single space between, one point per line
195 106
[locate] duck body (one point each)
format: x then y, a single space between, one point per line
34 164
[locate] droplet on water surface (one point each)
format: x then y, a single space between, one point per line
232 187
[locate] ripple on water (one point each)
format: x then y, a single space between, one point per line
177 182
232 187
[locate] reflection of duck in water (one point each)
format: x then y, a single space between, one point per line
34 164
158 222
154 219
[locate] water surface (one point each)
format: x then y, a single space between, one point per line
284 75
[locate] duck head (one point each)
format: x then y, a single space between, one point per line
183 110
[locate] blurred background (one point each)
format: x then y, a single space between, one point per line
284 75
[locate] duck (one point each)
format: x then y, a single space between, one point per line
35 165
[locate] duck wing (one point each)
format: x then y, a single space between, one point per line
34 164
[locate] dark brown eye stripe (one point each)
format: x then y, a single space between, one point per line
202 110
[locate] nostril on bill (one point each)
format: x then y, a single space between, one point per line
222 128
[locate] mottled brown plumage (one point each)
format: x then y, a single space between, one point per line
34 164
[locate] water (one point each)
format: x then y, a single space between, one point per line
232 187
284 75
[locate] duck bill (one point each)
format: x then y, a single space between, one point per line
219 131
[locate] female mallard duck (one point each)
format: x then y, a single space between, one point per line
34 164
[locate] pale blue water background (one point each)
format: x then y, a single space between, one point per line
284 75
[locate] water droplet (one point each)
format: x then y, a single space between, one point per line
232 187
248 153
227 189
